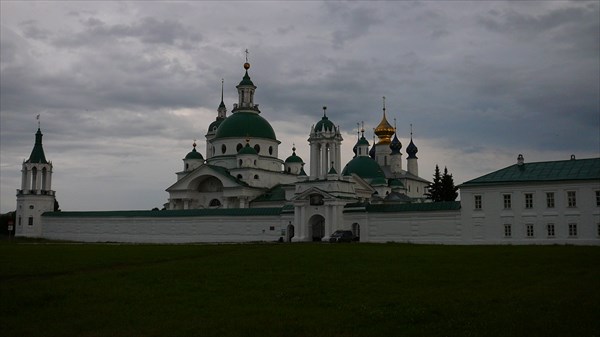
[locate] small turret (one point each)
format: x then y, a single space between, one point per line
293 164
193 159
411 150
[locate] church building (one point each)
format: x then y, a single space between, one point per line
241 191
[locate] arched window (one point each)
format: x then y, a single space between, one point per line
270 150
223 148
239 176
255 162
240 162
289 169
238 147
256 176
257 148
187 166
214 203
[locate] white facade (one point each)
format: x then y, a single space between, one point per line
538 213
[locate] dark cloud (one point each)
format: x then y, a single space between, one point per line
123 88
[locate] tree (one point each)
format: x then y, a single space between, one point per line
435 188
449 191
442 188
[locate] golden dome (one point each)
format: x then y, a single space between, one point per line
384 131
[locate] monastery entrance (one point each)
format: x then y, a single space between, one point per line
316 225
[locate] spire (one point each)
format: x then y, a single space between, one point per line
37 154
222 110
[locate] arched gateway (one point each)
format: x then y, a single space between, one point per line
316 225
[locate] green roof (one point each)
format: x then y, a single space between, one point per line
37 154
245 124
362 141
194 154
246 80
294 158
215 125
170 213
415 207
575 169
277 193
247 150
365 167
324 124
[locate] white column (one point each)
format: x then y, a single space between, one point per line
323 162
27 178
38 180
24 179
49 179
327 220
313 160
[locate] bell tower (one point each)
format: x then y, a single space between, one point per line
36 195
325 142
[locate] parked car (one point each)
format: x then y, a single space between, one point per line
341 236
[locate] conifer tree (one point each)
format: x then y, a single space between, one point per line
435 188
449 191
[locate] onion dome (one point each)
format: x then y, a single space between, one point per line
412 150
395 145
37 154
384 130
324 125
194 154
245 124
247 149
364 167
294 158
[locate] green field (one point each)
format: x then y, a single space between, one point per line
55 289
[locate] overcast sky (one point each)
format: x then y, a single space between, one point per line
123 88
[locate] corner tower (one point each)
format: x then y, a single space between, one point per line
36 195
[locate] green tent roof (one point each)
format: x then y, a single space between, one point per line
245 124
575 169
37 154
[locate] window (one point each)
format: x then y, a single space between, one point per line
571 199
256 176
507 231
507 201
257 148
238 147
550 199
270 150
598 198
20 223
215 203
240 163
223 148
30 221
528 200
477 202
597 230
572 230
550 229
187 167
239 176
529 229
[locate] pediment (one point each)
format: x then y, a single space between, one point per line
305 195
208 171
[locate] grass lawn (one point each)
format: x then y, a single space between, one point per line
61 289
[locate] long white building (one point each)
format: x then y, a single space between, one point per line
240 191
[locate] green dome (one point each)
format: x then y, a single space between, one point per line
362 141
396 183
245 124
324 124
365 167
247 150
294 159
214 125
194 154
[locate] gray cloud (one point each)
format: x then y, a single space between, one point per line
123 88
